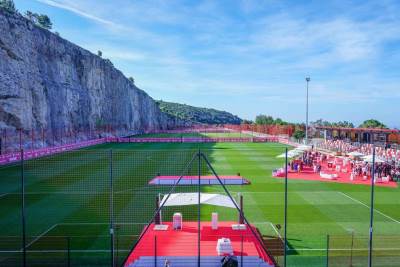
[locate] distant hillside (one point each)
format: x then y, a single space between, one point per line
198 115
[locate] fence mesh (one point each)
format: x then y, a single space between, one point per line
352 250
91 207
10 216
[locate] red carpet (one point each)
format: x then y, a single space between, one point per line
184 242
193 179
344 178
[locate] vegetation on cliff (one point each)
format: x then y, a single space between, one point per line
197 114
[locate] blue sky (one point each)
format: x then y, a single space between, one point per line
248 56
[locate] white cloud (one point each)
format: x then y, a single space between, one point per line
82 13
204 49
338 39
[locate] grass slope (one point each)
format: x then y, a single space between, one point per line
68 195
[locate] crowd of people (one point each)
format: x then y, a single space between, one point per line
310 159
386 154
336 146
388 170
359 169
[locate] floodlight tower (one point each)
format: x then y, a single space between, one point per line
308 79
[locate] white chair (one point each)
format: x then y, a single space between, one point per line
328 176
214 220
386 179
224 247
177 221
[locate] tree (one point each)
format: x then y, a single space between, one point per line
39 19
299 134
131 80
247 122
371 123
44 22
264 120
344 124
31 16
8 5
99 53
279 121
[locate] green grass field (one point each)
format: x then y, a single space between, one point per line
200 134
68 195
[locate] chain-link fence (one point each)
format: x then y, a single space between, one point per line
102 207
353 251
92 207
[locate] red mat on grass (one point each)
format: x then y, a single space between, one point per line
193 179
184 242
309 175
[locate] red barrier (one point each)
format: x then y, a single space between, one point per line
192 139
41 152
67 141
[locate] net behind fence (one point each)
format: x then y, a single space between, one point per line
352 250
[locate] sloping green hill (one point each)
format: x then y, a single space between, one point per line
198 115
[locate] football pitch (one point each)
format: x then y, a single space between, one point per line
67 200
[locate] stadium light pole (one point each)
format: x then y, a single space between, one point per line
371 223
285 243
308 79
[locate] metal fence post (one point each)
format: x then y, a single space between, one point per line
68 252
198 210
111 208
241 252
5 141
117 246
155 251
351 249
20 139
327 250
23 209
42 137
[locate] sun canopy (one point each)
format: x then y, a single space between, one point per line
291 154
355 154
184 199
370 157
304 148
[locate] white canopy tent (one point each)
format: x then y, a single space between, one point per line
355 154
304 148
291 154
184 199
369 159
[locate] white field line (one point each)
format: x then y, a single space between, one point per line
345 249
276 230
365 205
41 235
3 195
272 225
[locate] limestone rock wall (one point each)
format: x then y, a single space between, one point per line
48 82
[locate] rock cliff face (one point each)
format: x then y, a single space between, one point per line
48 82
